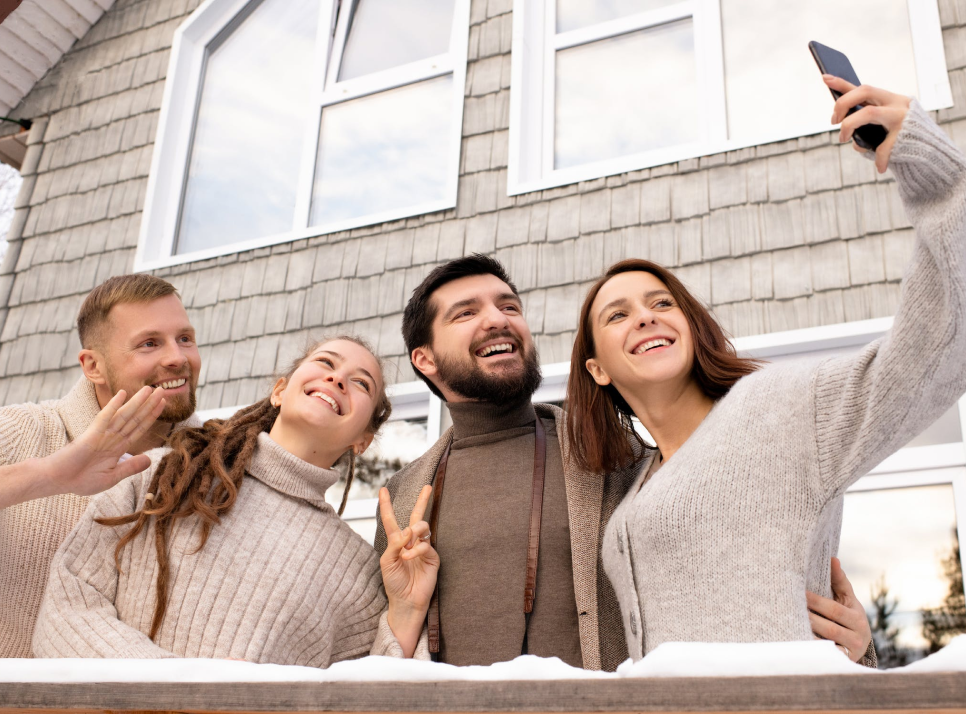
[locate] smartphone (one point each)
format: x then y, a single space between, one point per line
833 62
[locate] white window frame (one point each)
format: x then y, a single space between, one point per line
165 188
535 42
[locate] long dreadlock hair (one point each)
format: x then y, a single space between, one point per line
202 473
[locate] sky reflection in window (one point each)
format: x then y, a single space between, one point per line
383 152
772 82
574 14
626 94
901 536
389 33
244 164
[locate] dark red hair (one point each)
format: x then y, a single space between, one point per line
599 418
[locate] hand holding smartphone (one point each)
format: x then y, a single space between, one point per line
833 62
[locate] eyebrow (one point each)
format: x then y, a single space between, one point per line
337 355
623 301
460 304
140 336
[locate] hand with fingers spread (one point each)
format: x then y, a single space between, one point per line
881 107
409 568
89 464
842 619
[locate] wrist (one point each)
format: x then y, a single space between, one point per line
406 616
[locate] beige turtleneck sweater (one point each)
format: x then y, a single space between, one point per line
281 579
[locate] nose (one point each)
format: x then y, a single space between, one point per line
494 318
174 357
646 317
337 379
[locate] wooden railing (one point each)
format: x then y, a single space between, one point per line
934 692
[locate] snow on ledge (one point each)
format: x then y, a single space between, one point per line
673 659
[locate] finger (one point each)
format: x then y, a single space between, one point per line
422 550
422 503
386 513
866 115
837 83
146 416
884 151
104 417
841 586
831 631
131 466
420 532
831 610
852 98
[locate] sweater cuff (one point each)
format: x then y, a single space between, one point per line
870 659
386 644
925 161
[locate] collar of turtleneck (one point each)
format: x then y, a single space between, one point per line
287 473
471 419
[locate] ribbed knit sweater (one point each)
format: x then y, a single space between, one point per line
281 579
722 542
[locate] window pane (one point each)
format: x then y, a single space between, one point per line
649 75
773 85
389 33
383 152
896 544
573 14
244 161
397 443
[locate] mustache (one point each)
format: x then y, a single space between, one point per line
502 334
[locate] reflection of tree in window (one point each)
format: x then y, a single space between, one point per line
943 623
887 648
398 443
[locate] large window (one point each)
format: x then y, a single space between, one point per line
603 87
289 118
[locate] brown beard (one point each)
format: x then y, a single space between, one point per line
472 382
176 409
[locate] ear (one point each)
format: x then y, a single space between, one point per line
276 396
92 363
424 360
597 372
362 443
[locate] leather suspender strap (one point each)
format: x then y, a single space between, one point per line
533 542
433 615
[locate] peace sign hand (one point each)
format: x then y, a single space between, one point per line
409 568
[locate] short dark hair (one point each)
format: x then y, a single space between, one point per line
417 325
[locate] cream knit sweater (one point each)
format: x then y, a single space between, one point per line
723 541
281 579
31 532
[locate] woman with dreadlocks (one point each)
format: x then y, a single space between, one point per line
225 547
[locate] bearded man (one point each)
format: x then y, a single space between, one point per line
136 338
517 527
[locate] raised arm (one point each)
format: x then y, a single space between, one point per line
78 617
88 465
868 406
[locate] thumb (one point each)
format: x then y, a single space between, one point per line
131 466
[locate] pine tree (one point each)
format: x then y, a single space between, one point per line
883 634
941 624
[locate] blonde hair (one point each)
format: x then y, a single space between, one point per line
121 289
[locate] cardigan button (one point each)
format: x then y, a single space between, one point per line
634 624
620 542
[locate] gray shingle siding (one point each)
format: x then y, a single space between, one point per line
782 236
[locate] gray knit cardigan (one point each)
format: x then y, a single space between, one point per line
722 542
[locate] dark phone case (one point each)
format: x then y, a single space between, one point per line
833 62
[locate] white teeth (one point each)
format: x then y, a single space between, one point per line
172 384
661 342
505 347
326 398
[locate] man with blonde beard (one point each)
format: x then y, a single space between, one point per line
136 342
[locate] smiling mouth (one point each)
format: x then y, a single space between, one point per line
503 348
171 383
653 345
328 400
